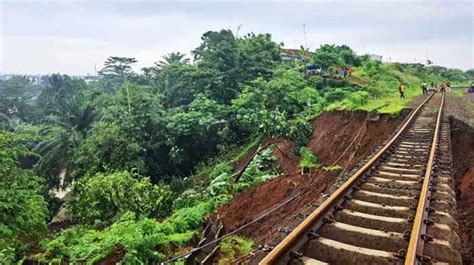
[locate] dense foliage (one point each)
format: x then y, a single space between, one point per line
137 238
147 155
105 197
23 210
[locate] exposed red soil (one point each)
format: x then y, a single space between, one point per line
332 133
286 157
461 112
462 140
249 205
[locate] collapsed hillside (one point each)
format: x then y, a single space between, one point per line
149 155
460 108
333 133
462 137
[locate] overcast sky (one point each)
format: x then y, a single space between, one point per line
73 36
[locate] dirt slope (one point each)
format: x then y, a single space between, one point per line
332 133
461 112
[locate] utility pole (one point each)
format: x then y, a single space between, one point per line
128 94
304 32
305 44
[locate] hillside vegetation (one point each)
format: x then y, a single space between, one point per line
147 155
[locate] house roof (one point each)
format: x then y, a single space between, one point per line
295 53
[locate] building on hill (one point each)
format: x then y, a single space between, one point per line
375 57
90 78
416 64
294 55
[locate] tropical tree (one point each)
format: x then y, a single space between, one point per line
232 62
179 83
58 89
171 58
16 97
66 126
470 74
116 70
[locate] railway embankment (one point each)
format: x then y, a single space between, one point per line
347 139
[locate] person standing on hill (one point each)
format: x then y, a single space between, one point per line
401 89
424 88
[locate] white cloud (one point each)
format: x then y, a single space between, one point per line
70 37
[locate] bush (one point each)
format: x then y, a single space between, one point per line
188 198
139 239
233 247
104 197
107 149
262 168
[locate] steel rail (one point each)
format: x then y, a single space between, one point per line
306 188
416 244
287 243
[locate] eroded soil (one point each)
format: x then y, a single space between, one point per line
338 137
461 112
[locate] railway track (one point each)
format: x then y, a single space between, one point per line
398 208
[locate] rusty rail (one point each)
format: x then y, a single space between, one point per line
285 246
416 244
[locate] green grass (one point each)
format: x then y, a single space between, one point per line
457 92
391 103
461 84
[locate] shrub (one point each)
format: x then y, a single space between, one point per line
188 198
308 160
139 239
23 211
262 168
233 247
104 197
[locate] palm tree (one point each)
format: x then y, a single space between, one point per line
174 57
66 126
